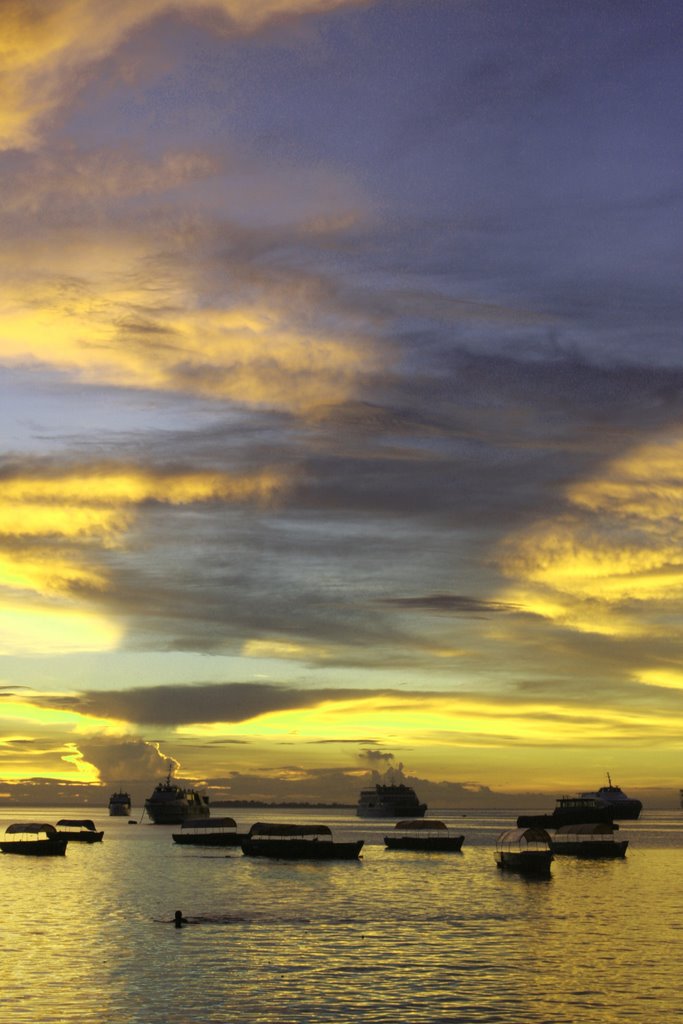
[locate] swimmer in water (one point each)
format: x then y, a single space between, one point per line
179 919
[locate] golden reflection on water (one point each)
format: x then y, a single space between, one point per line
397 937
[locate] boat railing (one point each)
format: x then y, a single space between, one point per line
592 832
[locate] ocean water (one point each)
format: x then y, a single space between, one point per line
397 937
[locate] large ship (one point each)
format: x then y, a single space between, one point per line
389 801
119 805
569 810
622 806
169 804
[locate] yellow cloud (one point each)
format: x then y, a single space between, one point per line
53 527
284 649
97 488
670 679
618 549
443 721
114 327
48 46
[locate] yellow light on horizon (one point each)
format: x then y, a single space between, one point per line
438 721
42 630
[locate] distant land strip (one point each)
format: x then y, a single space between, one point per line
283 803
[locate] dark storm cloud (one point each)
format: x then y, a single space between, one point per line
178 704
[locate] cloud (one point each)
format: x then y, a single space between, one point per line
453 603
58 524
611 562
127 760
190 704
49 47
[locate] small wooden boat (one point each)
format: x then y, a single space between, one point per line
33 839
297 842
592 839
425 834
78 830
209 832
526 850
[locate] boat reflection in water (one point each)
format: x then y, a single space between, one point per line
526 850
297 842
424 834
595 839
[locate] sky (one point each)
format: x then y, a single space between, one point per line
341 397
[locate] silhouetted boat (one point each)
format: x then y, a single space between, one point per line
209 832
297 842
570 810
589 840
170 804
78 831
389 801
526 850
623 807
119 805
33 839
425 834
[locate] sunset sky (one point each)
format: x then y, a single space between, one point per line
341 395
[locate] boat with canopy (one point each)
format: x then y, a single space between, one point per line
33 839
209 832
297 842
424 834
592 839
526 850
77 830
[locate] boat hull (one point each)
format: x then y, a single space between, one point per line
426 844
392 811
169 815
301 849
628 810
608 850
525 862
81 837
213 839
119 810
35 847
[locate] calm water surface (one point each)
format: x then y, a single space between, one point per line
397 937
